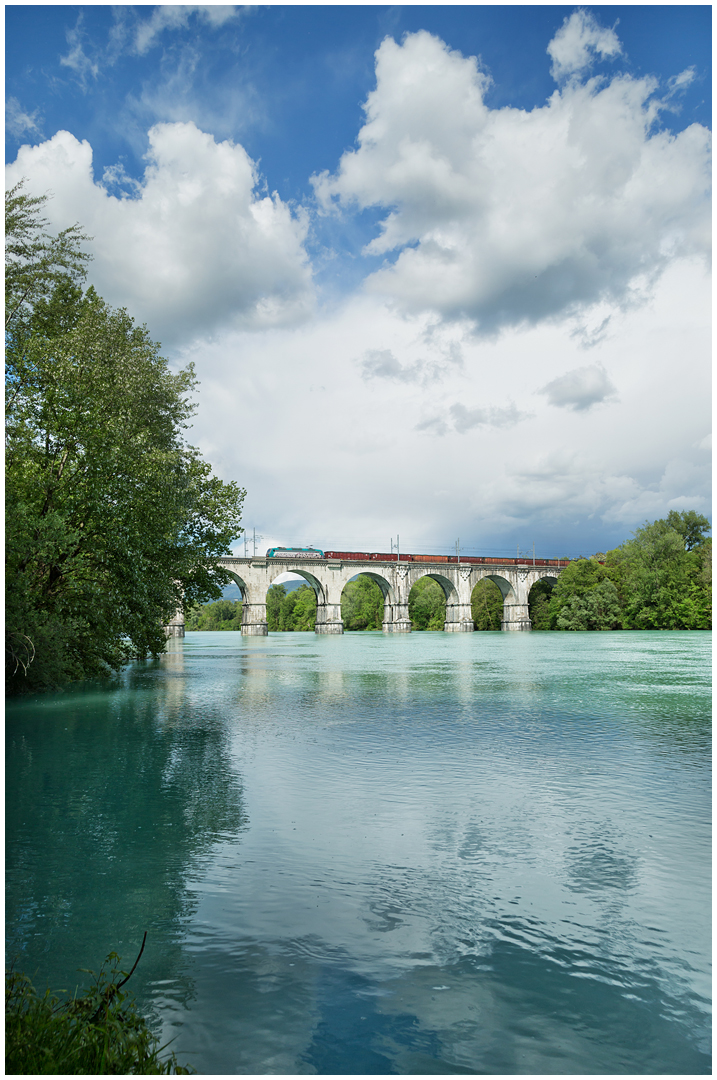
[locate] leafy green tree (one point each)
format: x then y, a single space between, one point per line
274 598
596 609
304 611
539 604
577 579
220 615
35 261
661 579
112 520
691 526
487 605
427 605
362 605
665 585
295 610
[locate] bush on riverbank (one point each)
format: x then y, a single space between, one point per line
99 1033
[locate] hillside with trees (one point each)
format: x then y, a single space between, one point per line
113 520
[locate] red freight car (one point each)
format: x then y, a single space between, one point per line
480 560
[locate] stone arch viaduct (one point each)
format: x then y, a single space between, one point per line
328 577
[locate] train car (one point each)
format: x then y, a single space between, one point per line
478 560
294 553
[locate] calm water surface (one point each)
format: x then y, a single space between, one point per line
432 853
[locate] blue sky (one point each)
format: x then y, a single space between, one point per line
521 354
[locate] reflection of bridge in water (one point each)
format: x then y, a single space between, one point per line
329 576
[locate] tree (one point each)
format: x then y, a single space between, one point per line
487 605
113 520
596 609
539 604
362 605
660 579
691 526
274 597
221 615
427 605
35 261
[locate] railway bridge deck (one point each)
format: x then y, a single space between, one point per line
328 577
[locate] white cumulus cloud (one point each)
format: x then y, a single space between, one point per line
506 216
197 247
577 41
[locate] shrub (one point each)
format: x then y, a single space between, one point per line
100 1032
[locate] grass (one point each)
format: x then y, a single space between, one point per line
99 1033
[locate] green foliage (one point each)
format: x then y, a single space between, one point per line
659 580
100 1032
295 610
112 520
427 605
539 604
487 605
220 615
691 526
597 609
36 263
362 605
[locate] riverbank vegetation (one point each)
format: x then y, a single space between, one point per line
113 521
97 1033
660 579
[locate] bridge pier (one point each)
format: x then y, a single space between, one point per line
328 619
516 617
459 619
175 627
399 621
253 620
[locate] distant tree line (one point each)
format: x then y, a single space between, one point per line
661 579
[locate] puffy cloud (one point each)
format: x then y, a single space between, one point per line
198 246
577 41
580 389
504 216
383 455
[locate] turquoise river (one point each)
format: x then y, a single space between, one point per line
423 853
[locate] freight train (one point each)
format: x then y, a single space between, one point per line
363 556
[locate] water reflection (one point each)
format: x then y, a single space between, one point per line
113 801
382 854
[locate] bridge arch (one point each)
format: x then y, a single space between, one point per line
314 582
505 586
388 597
449 590
538 598
241 585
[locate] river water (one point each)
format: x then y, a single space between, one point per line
430 853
